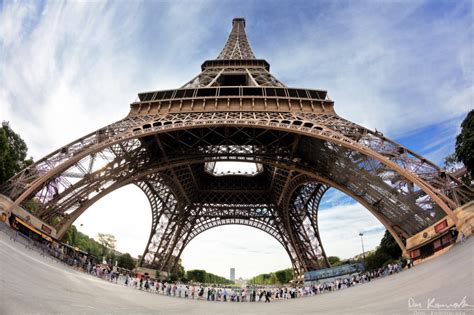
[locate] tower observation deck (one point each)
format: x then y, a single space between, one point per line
172 141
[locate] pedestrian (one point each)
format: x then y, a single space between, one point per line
201 292
268 294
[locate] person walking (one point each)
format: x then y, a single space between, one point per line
268 294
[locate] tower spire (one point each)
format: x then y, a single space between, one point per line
237 45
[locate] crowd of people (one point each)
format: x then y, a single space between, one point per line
211 292
245 293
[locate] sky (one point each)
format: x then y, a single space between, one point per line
404 68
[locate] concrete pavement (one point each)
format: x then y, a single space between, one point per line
33 284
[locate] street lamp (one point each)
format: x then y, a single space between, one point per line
362 241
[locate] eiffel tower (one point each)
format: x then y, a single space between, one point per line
286 147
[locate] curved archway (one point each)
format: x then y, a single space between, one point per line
308 175
119 213
294 133
205 225
249 250
130 162
318 131
266 225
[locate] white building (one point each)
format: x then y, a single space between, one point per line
232 274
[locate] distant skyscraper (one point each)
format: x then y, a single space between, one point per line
232 274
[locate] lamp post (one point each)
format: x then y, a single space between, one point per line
362 241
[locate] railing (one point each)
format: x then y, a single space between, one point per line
38 247
239 91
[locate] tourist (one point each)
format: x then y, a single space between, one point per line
268 294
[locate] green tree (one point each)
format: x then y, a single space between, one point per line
178 270
173 277
108 243
202 276
389 246
273 278
465 143
334 260
451 162
77 239
13 152
107 240
281 276
284 276
387 252
70 237
32 206
277 277
196 275
126 261
376 260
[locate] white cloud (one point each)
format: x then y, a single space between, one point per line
80 65
397 70
339 228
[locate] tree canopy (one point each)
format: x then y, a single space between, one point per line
465 143
278 277
202 276
13 152
388 251
107 240
75 238
126 261
178 271
334 260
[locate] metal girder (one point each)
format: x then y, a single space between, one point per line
171 140
375 181
389 176
237 45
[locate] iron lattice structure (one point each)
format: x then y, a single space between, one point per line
235 110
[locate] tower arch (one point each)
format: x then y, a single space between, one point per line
235 110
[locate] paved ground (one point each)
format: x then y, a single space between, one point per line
32 284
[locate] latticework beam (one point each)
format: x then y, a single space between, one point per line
235 110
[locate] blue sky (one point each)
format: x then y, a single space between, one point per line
402 67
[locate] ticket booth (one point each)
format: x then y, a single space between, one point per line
432 239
